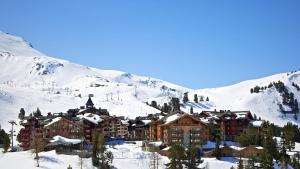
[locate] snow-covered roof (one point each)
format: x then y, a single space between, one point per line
124 122
256 123
53 121
64 141
156 143
146 121
172 118
93 118
167 148
241 115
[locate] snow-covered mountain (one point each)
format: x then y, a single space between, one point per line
30 79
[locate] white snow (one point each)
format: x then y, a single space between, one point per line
56 119
30 79
125 156
94 118
172 118
63 140
256 123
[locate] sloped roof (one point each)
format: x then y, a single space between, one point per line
173 117
89 102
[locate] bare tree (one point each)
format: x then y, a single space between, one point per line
154 161
37 144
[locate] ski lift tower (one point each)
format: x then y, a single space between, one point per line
12 133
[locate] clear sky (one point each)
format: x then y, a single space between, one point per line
196 43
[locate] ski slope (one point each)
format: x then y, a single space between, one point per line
31 79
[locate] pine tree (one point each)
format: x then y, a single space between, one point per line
282 150
177 156
175 104
270 144
207 99
22 114
240 164
185 97
289 136
256 89
254 117
251 163
266 160
166 108
4 139
251 90
101 156
191 110
196 98
154 104
217 151
193 158
201 98
37 113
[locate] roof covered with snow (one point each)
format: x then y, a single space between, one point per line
93 118
257 123
53 121
64 141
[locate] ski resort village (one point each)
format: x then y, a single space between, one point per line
78 87
169 139
55 119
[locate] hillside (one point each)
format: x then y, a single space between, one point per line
30 79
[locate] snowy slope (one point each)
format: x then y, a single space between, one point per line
126 156
30 79
263 104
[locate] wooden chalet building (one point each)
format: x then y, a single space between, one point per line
61 126
109 127
231 123
233 151
139 129
32 129
179 128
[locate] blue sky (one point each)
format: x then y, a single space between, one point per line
196 43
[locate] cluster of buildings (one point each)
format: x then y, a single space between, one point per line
162 128
75 124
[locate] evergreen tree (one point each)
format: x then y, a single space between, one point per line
154 104
251 163
193 158
22 114
289 135
185 97
4 139
266 160
256 89
201 98
166 108
284 158
191 110
251 90
254 117
217 151
176 157
269 149
175 104
37 113
240 164
270 144
196 98
296 107
101 157
207 99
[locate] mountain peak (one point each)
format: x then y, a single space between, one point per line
16 46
